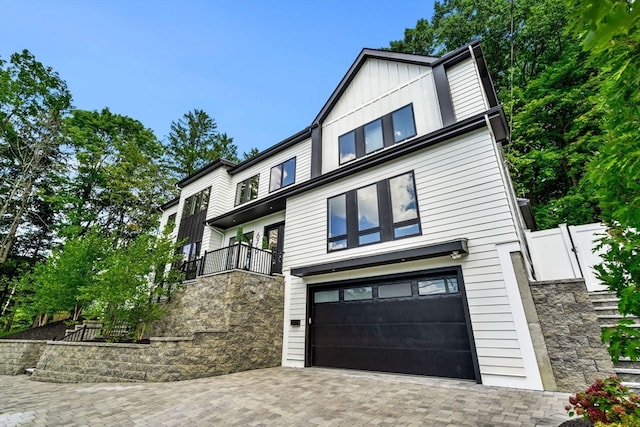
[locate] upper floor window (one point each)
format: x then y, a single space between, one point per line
247 190
373 136
283 174
171 222
196 203
385 210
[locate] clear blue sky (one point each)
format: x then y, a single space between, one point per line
261 69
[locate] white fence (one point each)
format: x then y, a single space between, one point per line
567 253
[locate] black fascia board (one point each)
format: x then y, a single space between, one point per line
394 257
274 149
167 205
277 201
203 171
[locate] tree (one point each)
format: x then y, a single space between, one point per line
250 154
610 33
115 180
194 141
33 102
545 85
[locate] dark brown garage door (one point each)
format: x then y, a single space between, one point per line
413 325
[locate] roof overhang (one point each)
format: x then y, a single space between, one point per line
454 248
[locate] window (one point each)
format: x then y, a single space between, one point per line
282 175
358 294
389 129
247 190
445 285
191 251
196 203
326 296
246 238
379 212
171 222
394 291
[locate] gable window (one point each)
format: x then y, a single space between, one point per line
247 190
283 174
383 211
196 203
383 132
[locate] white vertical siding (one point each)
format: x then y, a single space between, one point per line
460 195
466 91
393 86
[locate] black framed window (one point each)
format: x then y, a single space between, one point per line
246 238
247 190
379 212
385 131
283 174
195 203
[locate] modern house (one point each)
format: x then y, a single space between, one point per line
392 219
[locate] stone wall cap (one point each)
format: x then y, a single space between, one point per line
558 281
97 344
24 341
169 339
211 331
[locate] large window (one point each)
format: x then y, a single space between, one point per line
282 175
386 210
196 203
373 136
247 190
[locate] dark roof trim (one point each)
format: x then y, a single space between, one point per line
203 171
167 205
274 149
527 214
485 78
429 251
277 200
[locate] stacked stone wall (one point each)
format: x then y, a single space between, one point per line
17 355
232 322
572 333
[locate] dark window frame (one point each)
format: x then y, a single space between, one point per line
388 138
246 191
386 225
196 202
281 167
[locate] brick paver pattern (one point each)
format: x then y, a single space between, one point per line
279 397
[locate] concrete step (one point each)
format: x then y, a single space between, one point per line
610 310
633 386
626 363
628 374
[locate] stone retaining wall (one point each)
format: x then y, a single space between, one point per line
17 355
572 333
232 322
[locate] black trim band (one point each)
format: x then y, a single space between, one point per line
429 251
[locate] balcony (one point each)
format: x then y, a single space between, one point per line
235 257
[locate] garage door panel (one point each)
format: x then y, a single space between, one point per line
443 363
424 332
418 310
396 335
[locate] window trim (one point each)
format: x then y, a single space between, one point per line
386 225
281 166
246 197
388 138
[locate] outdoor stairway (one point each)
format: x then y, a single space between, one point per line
605 304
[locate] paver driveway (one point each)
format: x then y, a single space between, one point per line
278 396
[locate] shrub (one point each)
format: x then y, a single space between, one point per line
606 401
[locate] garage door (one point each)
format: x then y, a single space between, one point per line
415 325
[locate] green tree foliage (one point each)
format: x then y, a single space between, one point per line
117 282
194 141
545 85
115 181
33 102
610 32
250 154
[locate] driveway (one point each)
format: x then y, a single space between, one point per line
279 396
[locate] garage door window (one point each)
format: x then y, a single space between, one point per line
332 295
396 290
447 285
358 294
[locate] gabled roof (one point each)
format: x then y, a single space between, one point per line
203 171
359 62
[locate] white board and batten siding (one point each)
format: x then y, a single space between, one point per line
301 151
461 194
467 95
380 88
